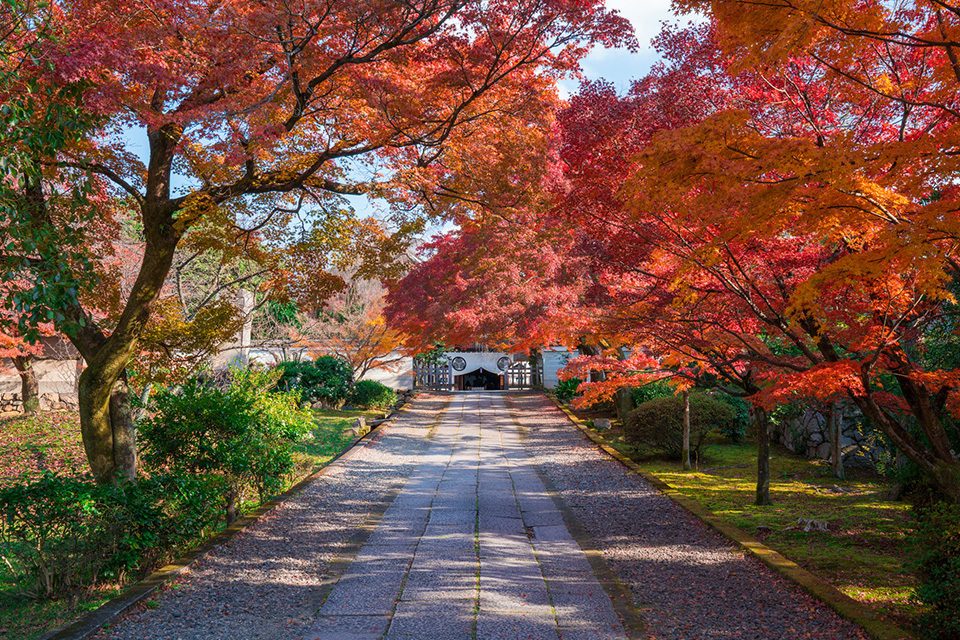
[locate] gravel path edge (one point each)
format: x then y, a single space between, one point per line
90 624
845 606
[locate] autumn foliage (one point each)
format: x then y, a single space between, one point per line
771 210
259 117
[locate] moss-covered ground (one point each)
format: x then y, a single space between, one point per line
864 552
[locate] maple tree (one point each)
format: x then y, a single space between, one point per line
27 130
21 353
780 228
861 179
500 282
257 113
774 221
351 326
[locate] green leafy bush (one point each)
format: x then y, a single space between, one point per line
60 534
326 380
651 391
658 424
370 394
736 430
244 433
566 390
937 541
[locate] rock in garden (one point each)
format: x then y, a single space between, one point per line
809 524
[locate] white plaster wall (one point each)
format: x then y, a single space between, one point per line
478 360
399 376
554 359
53 376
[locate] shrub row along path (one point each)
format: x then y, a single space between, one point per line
462 539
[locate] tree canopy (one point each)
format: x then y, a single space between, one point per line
772 208
259 118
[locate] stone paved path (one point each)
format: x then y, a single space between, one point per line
441 527
473 546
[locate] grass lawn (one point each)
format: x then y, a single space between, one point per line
864 553
31 444
329 438
51 441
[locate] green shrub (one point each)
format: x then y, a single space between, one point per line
326 380
658 424
244 433
937 541
370 394
60 534
651 391
566 390
736 430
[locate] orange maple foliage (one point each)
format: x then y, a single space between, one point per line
270 111
351 326
771 209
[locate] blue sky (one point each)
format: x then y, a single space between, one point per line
621 66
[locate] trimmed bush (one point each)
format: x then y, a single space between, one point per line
651 391
370 394
326 380
658 424
937 541
244 433
61 534
566 390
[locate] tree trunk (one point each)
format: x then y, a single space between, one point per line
897 487
947 478
593 350
941 467
29 385
79 366
835 429
124 429
763 456
106 417
107 426
143 402
535 381
685 452
623 401
231 506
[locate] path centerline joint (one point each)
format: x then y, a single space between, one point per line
453 555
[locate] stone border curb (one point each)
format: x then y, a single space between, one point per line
845 606
92 623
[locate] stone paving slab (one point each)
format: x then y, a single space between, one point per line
442 527
471 524
351 627
691 583
437 620
511 625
